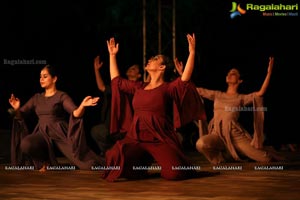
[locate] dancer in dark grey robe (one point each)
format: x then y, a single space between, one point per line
60 123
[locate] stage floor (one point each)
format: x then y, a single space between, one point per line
253 181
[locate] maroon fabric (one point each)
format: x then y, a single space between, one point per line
121 109
53 113
153 116
188 107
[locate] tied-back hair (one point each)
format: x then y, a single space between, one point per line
169 74
51 69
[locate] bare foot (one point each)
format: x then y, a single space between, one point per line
43 169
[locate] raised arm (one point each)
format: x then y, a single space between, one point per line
113 49
97 65
189 67
266 82
87 101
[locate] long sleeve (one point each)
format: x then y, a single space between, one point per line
68 103
208 94
120 105
76 132
258 119
188 105
19 131
29 106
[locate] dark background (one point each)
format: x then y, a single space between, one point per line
69 34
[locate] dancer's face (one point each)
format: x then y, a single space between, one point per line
233 76
154 63
46 80
133 72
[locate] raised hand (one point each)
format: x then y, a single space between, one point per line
14 102
90 101
266 82
178 66
112 47
271 64
189 66
192 42
98 63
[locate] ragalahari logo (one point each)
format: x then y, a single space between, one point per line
236 10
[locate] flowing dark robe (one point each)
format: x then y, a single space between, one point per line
56 123
158 111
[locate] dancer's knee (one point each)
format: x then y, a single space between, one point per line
201 145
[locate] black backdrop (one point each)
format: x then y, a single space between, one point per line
69 34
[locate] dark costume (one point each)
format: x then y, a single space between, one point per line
52 129
101 132
151 128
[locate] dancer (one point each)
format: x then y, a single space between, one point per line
52 128
225 133
101 132
151 132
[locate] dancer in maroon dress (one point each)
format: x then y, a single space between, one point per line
101 132
52 128
151 131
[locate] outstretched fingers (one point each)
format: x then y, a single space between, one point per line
192 41
112 46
